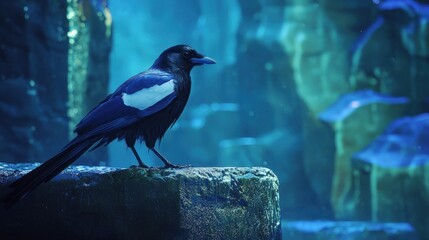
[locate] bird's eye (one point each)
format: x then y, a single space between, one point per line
186 54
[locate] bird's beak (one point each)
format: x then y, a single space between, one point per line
203 60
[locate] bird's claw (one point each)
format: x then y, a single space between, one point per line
144 166
164 167
175 166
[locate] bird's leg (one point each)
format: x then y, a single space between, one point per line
141 164
167 163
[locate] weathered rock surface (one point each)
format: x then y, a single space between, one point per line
109 203
392 174
328 230
346 117
54 66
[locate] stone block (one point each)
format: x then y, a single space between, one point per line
109 203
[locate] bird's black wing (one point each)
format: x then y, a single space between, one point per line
141 96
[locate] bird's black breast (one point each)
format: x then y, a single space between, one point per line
153 127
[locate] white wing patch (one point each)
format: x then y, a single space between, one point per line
148 97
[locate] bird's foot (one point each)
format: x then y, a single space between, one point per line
170 165
140 166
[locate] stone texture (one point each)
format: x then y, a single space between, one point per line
51 54
412 19
316 36
328 230
346 116
393 171
33 63
191 203
389 56
407 201
377 52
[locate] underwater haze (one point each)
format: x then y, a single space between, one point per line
331 95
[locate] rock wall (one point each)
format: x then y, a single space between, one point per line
53 69
393 173
334 51
331 51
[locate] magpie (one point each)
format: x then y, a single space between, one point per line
142 108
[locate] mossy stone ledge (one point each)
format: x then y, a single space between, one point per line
110 203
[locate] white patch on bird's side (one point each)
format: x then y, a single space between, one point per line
148 97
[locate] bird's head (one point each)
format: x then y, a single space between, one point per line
182 57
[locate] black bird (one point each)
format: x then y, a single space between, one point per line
142 108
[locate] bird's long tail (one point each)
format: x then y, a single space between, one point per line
45 172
